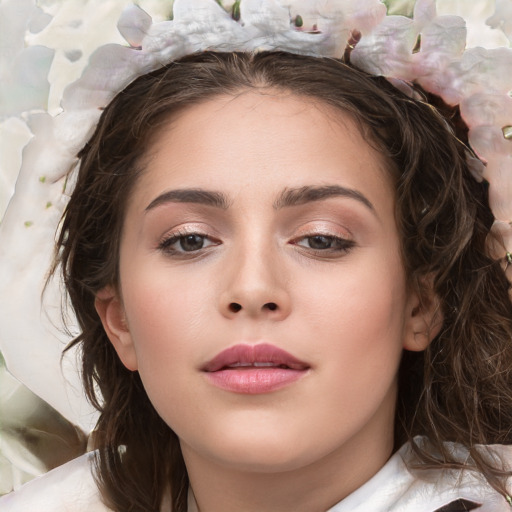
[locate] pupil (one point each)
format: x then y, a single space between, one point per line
192 242
320 242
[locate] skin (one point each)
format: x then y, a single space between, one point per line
346 311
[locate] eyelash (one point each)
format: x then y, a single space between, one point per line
342 245
166 245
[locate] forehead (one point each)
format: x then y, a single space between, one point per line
261 137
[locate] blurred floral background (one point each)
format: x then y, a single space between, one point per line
44 45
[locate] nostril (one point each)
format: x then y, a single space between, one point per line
272 306
234 307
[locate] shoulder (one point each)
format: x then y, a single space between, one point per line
455 489
70 487
399 487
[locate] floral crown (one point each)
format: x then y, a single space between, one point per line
427 49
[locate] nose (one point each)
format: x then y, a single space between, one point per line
255 285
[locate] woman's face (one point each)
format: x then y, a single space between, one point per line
262 294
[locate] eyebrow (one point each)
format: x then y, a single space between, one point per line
288 197
191 195
302 195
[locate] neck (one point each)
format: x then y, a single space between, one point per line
311 488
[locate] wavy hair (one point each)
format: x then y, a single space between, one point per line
459 389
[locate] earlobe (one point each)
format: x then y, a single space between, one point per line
111 312
424 319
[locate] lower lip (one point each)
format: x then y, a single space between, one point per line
254 381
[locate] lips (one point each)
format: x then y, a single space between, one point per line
254 356
254 369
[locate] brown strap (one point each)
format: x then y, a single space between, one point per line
459 505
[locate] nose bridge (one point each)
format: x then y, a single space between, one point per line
255 279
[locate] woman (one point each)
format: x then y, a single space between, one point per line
279 267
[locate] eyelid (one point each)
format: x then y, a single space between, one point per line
325 235
188 228
180 231
323 229
173 236
343 241
176 236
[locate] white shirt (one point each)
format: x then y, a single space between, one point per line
394 488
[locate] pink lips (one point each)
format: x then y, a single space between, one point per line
254 369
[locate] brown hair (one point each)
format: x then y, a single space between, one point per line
459 389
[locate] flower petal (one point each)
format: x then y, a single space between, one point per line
499 174
387 50
502 18
489 143
134 24
499 243
486 108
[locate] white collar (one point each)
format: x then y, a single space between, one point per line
394 488
397 488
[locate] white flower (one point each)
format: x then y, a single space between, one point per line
502 17
476 13
23 70
388 49
487 109
33 437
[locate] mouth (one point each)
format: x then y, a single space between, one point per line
254 369
258 364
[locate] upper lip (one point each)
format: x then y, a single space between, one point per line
249 355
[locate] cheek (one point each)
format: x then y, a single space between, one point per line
167 316
164 345
357 319
356 302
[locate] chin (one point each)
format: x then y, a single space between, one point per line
265 458
260 450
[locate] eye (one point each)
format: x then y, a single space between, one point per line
186 243
325 243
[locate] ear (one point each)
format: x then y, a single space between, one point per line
111 312
424 317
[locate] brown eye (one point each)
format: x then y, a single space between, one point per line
186 243
320 242
325 243
191 242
